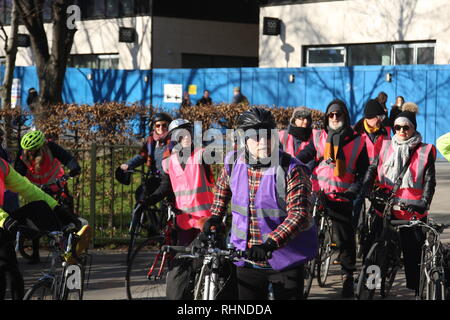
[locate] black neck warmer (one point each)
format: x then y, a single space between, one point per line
300 133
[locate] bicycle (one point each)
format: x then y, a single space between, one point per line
212 279
68 284
56 190
383 260
145 220
432 285
147 266
326 237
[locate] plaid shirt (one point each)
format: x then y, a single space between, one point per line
298 205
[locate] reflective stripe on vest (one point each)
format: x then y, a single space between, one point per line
4 171
409 194
323 177
193 192
373 149
51 168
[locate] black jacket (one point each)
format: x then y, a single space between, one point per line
429 179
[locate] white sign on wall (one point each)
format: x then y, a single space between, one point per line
15 93
173 93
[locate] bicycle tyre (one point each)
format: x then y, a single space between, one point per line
325 252
437 287
138 284
199 284
134 229
309 268
362 291
42 290
388 272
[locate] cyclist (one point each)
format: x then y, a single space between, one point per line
416 189
341 159
39 209
298 134
191 181
152 150
443 145
373 132
270 211
40 160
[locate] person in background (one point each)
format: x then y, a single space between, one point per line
186 102
396 109
298 133
205 99
238 97
11 199
382 99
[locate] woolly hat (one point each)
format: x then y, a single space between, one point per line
301 112
410 116
372 109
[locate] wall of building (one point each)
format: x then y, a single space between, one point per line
353 21
172 38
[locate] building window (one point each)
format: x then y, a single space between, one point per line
332 56
94 61
370 54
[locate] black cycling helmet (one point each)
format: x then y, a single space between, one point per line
161 116
256 118
122 176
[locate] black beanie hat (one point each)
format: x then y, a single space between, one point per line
411 116
373 108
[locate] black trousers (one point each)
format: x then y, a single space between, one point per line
253 283
9 266
341 214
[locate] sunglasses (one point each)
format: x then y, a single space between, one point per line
159 125
405 128
333 114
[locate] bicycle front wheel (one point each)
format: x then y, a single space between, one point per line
73 283
325 253
43 290
365 289
146 272
308 277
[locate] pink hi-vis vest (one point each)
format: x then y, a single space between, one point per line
4 171
287 142
323 174
51 169
373 149
193 191
412 193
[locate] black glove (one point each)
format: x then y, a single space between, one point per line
420 207
350 195
66 217
13 226
74 172
262 252
215 222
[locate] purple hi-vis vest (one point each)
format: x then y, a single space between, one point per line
270 205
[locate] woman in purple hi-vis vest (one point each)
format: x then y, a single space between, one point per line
270 201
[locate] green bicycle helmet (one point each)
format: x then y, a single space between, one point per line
32 140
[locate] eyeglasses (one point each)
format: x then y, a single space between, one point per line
405 128
335 114
159 125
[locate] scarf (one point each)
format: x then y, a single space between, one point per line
300 133
158 137
393 166
334 148
369 129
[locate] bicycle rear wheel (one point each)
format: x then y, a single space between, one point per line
308 277
325 252
43 290
146 274
26 248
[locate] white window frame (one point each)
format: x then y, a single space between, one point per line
339 64
413 46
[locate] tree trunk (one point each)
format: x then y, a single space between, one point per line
10 63
50 65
